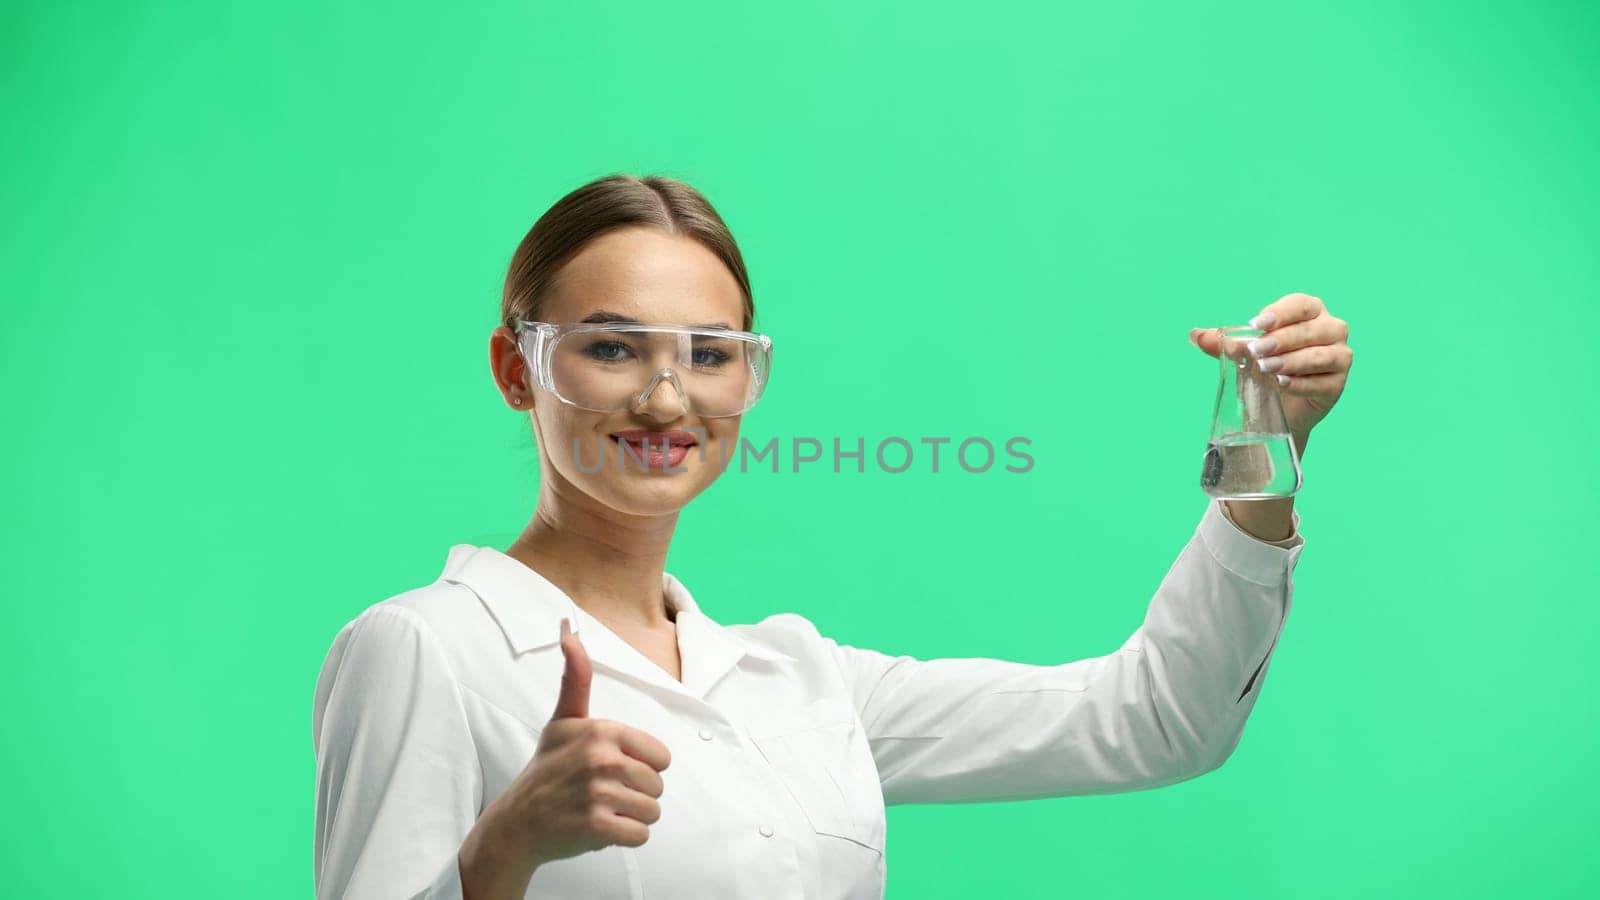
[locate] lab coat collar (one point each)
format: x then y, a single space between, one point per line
529 608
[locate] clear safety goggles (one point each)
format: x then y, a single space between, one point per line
611 366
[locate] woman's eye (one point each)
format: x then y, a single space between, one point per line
710 356
608 351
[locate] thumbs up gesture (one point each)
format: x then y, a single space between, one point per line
591 782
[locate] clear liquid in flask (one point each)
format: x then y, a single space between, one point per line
1250 466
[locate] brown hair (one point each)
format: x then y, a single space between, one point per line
603 205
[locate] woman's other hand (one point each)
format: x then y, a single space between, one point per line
1306 346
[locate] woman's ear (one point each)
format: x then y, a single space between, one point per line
509 369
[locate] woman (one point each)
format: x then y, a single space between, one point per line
562 720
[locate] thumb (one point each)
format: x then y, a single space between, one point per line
1209 340
573 703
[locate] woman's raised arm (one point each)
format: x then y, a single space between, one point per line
1168 705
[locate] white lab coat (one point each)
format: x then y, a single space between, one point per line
785 744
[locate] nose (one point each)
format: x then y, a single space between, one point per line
663 398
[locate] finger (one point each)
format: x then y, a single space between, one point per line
1321 330
641 777
1287 310
629 802
644 748
1208 340
1309 361
573 702
615 828
1327 385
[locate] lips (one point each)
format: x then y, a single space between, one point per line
656 439
657 449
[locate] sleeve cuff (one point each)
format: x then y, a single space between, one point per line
1244 554
1293 540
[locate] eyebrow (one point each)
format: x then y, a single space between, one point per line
605 316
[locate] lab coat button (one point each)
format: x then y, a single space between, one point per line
705 735
766 831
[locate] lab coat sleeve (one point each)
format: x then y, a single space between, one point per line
1168 705
398 781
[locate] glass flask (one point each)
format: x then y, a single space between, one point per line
1251 455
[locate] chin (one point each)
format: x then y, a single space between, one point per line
646 495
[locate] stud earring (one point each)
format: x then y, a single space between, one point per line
516 401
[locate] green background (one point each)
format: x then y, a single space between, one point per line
254 251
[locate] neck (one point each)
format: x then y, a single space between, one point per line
609 563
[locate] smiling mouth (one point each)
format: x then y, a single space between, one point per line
655 441
655 450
